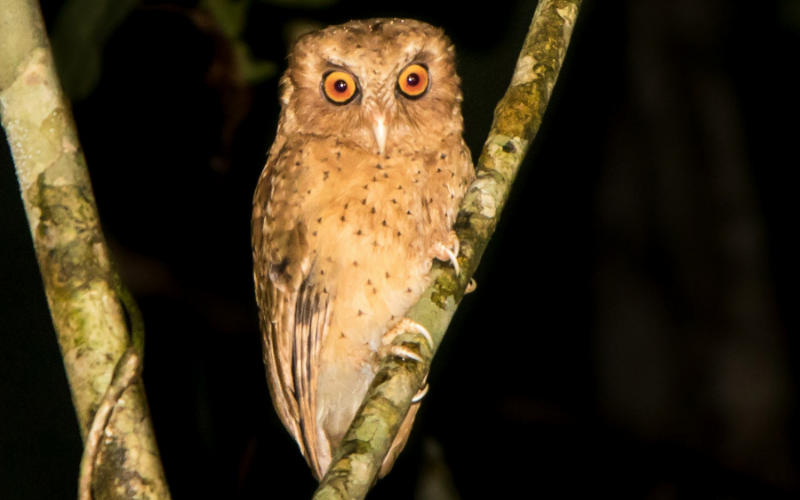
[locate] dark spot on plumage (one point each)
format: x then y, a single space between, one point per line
385 175
297 164
379 166
309 191
300 150
374 243
430 200
359 232
338 169
324 159
319 220
452 174
359 312
399 233
321 272
438 170
400 187
408 290
341 335
342 218
369 282
345 206
355 263
374 179
280 268
391 317
387 277
509 147
374 290
325 175
358 45
384 223
338 153
452 196
366 186
314 233
394 201
372 211
409 212
324 290
443 156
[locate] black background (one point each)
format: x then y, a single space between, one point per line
632 333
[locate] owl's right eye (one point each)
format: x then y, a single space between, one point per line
339 87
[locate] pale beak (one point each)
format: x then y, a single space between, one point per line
379 129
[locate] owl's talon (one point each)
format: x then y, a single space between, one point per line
405 325
471 286
444 253
420 394
449 250
404 352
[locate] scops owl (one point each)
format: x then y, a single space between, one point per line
358 196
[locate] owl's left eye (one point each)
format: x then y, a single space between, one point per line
339 87
413 81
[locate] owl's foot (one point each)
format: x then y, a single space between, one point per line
471 286
448 250
404 325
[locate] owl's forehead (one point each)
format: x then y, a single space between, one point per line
372 47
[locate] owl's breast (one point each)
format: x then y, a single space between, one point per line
370 223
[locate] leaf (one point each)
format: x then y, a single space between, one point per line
78 37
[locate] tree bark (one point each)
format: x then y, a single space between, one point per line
517 119
72 254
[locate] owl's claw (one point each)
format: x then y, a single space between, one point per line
444 252
405 325
471 286
421 394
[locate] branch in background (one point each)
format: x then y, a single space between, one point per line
72 255
517 119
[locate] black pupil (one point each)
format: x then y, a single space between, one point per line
413 79
340 86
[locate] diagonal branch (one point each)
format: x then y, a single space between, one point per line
516 121
73 258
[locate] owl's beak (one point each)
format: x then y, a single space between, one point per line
379 129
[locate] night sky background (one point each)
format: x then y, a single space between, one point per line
633 332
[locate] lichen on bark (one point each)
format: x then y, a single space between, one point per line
71 251
518 117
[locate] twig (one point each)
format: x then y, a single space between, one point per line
517 119
128 369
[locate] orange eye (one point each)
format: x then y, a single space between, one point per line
413 81
339 87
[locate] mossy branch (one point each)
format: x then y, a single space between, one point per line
73 260
517 119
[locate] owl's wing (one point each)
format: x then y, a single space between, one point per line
294 316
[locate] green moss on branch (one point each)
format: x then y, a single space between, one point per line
72 253
517 119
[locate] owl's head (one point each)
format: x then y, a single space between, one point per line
377 83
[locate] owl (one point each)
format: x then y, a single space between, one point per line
358 196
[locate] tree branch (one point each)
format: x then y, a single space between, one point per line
73 256
516 121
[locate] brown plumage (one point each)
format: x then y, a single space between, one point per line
359 194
